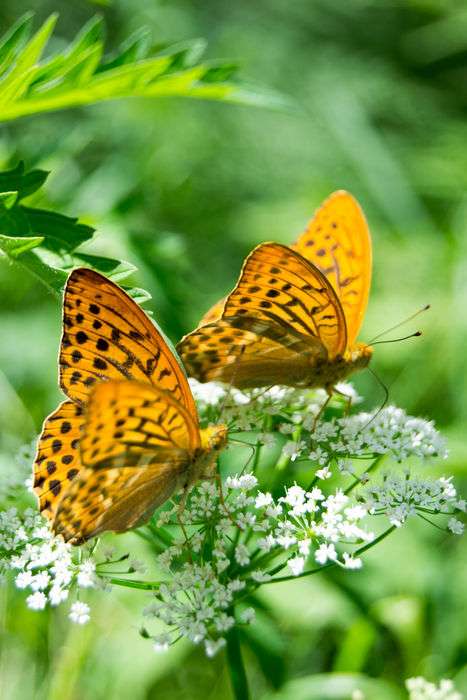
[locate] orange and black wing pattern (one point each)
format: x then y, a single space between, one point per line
138 443
282 317
337 240
106 335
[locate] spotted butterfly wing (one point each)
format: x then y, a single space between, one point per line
106 335
137 447
108 340
57 460
337 240
282 320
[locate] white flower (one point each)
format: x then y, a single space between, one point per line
24 579
296 565
456 526
248 615
263 499
57 595
246 481
351 562
325 552
223 622
212 646
324 473
420 689
210 393
36 601
242 555
161 643
79 613
86 574
293 449
40 581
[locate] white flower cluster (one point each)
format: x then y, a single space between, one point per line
420 689
42 562
399 497
293 413
235 543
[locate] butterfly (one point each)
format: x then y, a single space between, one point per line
294 315
128 435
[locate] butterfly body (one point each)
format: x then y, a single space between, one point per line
295 312
128 436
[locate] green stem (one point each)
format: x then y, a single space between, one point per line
236 667
131 583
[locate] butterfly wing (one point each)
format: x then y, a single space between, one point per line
249 353
106 335
286 318
337 240
57 461
138 442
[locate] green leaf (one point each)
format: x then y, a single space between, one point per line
59 231
44 242
13 247
80 75
23 183
16 83
13 40
8 199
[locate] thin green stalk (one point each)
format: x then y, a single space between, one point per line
236 666
131 583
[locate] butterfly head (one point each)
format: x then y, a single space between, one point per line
214 437
359 356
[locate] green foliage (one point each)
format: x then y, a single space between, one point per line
45 242
184 189
81 75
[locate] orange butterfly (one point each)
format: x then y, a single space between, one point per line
295 313
128 436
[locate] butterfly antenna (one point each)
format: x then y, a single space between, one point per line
401 323
417 334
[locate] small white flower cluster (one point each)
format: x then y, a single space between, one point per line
420 689
42 562
399 497
234 542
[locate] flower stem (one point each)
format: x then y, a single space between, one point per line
236 667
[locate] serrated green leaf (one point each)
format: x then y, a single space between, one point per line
13 247
79 75
132 49
91 34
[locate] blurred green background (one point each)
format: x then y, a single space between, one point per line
184 189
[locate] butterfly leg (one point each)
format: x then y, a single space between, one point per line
321 409
348 400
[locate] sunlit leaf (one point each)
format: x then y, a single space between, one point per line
81 75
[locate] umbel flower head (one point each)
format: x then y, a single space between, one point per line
321 503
